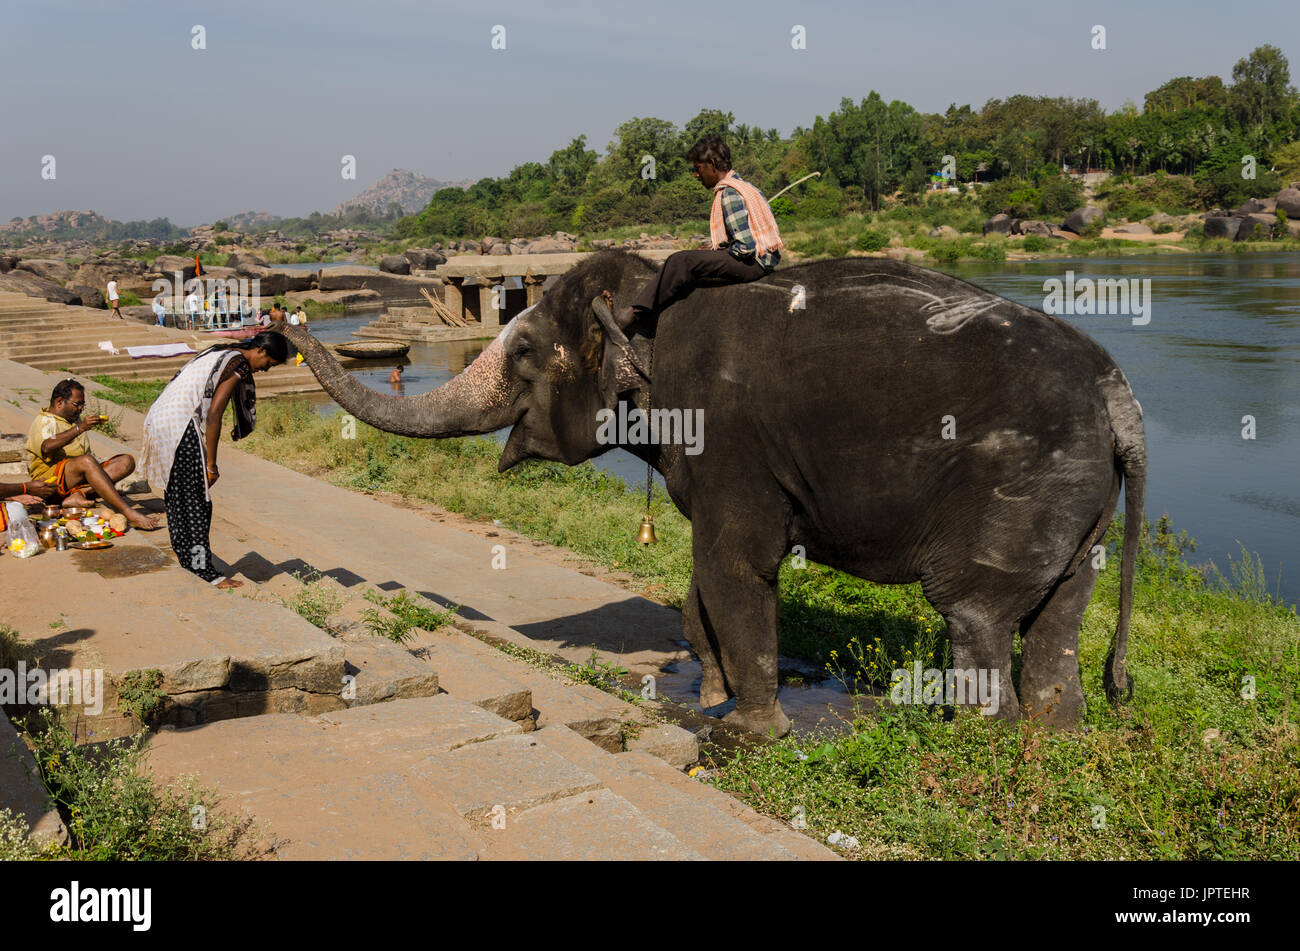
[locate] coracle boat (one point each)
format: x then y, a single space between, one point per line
372 349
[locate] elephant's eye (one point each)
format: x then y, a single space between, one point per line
521 351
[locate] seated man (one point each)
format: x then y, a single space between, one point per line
746 242
58 453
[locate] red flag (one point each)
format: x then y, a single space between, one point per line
197 272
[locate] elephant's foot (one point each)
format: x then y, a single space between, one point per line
771 721
713 689
1054 705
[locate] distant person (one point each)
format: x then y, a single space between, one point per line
263 318
302 315
192 306
59 455
182 432
293 318
159 311
277 312
396 375
113 301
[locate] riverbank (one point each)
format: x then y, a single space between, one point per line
1204 762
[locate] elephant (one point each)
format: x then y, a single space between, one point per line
898 423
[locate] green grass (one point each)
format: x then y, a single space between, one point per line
402 613
133 394
1195 766
315 308
112 426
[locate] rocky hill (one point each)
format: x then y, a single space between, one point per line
57 222
84 226
250 220
399 187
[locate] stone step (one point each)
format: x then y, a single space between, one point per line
713 823
23 793
339 786
460 667
462 675
219 656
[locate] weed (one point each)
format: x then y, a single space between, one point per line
317 600
114 811
139 694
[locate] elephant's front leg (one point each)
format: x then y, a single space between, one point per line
700 633
741 604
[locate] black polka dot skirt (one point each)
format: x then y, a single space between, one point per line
189 511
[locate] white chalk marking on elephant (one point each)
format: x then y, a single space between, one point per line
997 491
950 314
1000 440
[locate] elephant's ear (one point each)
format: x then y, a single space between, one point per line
618 372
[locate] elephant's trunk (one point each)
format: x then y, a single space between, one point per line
479 400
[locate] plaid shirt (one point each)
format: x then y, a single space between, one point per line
740 241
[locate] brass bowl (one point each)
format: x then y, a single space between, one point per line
52 511
76 511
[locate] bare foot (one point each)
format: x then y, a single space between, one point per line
144 523
78 500
226 583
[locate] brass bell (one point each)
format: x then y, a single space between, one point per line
646 536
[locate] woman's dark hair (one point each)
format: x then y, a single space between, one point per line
276 347
711 149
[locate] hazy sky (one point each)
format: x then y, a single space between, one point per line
142 125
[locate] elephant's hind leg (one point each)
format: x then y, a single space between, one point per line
1050 691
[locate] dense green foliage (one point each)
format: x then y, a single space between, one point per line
1210 136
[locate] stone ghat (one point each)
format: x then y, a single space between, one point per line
479 289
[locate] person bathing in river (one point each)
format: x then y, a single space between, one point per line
58 454
746 243
181 433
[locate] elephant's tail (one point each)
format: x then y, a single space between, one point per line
1131 459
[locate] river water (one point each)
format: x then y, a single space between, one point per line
1222 342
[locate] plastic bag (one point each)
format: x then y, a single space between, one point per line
21 539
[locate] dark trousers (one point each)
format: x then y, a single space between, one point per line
687 269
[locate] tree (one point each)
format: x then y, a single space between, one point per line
571 165
1261 95
1286 162
636 139
1185 92
707 122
